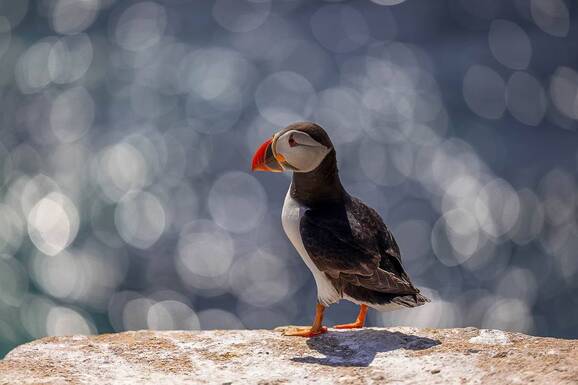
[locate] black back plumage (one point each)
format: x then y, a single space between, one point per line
350 243
346 239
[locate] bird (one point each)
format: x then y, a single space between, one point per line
345 243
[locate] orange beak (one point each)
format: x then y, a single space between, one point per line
264 159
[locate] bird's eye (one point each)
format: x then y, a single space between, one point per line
292 142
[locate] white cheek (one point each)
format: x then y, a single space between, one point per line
303 158
306 156
282 147
298 157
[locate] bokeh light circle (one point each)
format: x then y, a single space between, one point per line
510 45
340 28
72 114
141 26
73 16
205 254
241 15
564 91
484 92
140 219
53 223
261 279
237 202
552 16
285 97
64 321
525 98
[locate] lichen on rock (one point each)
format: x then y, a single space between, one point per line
371 355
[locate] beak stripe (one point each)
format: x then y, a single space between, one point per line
264 158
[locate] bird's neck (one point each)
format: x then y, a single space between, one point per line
320 186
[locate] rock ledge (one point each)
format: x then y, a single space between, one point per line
372 355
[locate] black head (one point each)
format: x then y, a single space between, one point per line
313 130
305 149
300 147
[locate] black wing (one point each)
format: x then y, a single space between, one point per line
350 243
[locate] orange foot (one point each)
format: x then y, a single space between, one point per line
353 325
304 331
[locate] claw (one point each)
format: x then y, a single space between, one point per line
309 331
353 325
305 332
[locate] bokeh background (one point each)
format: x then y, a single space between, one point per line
127 129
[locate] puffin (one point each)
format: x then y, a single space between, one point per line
344 243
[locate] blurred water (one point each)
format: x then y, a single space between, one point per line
126 132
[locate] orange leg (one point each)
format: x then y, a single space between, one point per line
315 329
359 322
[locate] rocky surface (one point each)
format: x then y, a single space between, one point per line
368 356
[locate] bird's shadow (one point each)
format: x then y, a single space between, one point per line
359 347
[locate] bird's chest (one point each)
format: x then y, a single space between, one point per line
291 219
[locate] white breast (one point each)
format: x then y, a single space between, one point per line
291 217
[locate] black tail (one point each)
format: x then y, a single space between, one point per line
377 298
412 300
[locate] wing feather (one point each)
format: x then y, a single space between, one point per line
351 244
